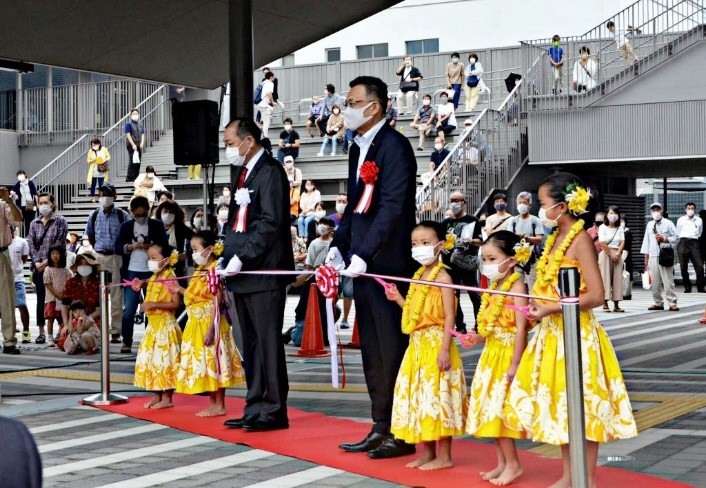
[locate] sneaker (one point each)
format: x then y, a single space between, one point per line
26 337
320 154
655 307
115 339
50 340
125 349
10 350
344 325
333 153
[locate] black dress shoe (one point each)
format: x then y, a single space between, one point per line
371 441
391 448
10 350
265 425
239 423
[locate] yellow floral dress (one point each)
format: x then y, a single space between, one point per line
428 404
158 355
490 385
206 368
536 402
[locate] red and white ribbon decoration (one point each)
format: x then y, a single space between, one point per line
369 175
327 282
214 286
242 199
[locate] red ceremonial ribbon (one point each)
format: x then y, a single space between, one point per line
241 219
524 310
135 284
327 282
369 175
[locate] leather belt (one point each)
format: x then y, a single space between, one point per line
106 253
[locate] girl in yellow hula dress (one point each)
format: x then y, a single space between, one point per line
537 399
430 391
209 359
504 332
158 355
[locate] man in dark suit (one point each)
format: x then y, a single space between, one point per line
258 239
20 465
378 241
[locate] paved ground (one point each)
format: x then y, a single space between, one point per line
662 354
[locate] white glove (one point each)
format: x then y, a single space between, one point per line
233 268
334 259
356 267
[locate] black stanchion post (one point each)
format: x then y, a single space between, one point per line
569 281
105 397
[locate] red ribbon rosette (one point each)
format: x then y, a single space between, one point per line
369 174
214 281
327 281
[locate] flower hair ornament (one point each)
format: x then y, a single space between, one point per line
218 248
449 242
174 258
577 198
523 252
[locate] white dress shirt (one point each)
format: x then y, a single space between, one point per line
364 141
689 228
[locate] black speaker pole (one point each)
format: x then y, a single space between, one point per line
241 57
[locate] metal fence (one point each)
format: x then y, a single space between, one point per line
65 175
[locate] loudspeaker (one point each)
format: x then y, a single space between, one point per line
195 132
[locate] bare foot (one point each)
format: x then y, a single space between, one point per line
165 403
563 482
211 412
437 464
489 475
153 402
425 459
508 475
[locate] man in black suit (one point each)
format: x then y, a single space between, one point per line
20 465
262 242
378 241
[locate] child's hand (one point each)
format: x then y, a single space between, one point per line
444 360
210 336
538 311
392 293
511 373
146 306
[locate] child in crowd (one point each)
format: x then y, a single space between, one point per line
536 402
556 59
19 253
55 277
81 333
429 399
209 360
158 357
505 333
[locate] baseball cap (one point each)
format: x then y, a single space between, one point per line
288 159
109 188
656 204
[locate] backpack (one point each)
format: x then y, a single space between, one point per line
257 94
94 216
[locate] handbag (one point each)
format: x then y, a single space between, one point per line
463 260
666 256
406 86
472 80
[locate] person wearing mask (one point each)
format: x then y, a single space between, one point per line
334 131
341 204
19 255
585 75
307 202
294 196
200 223
148 184
288 142
134 239
446 123
267 103
529 228
98 159
330 99
46 231
660 233
85 246
463 260
500 219
346 282
10 216
454 77
315 111
611 237
439 153
102 228
135 137
72 243
222 218
178 233
556 60
24 195
410 77
424 121
391 113
474 78
690 227
225 196
293 174
592 231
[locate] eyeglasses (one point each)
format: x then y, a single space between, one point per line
353 103
457 200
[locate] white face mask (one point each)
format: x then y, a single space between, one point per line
472 60
548 223
233 155
656 215
341 207
21 178
106 201
168 218
612 218
322 229
319 214
289 165
424 255
153 265
197 222
354 118
689 213
287 127
456 208
226 193
223 214
96 148
84 270
86 243
45 210
200 259
135 118
492 271
426 102
454 60
310 188
522 208
438 147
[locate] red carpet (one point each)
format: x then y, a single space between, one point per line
314 437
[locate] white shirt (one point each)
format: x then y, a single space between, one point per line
445 109
620 37
18 248
650 246
582 77
611 236
689 228
268 88
25 193
253 161
364 141
138 257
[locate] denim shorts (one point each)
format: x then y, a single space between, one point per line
346 287
20 294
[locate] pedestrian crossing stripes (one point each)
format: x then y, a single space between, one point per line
91 439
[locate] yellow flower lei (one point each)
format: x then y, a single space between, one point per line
414 303
546 272
486 325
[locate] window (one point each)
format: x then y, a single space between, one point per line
288 61
333 54
369 51
423 46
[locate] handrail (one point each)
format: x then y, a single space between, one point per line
121 121
50 163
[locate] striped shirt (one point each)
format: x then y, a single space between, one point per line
56 230
107 229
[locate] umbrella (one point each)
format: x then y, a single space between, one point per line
510 81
